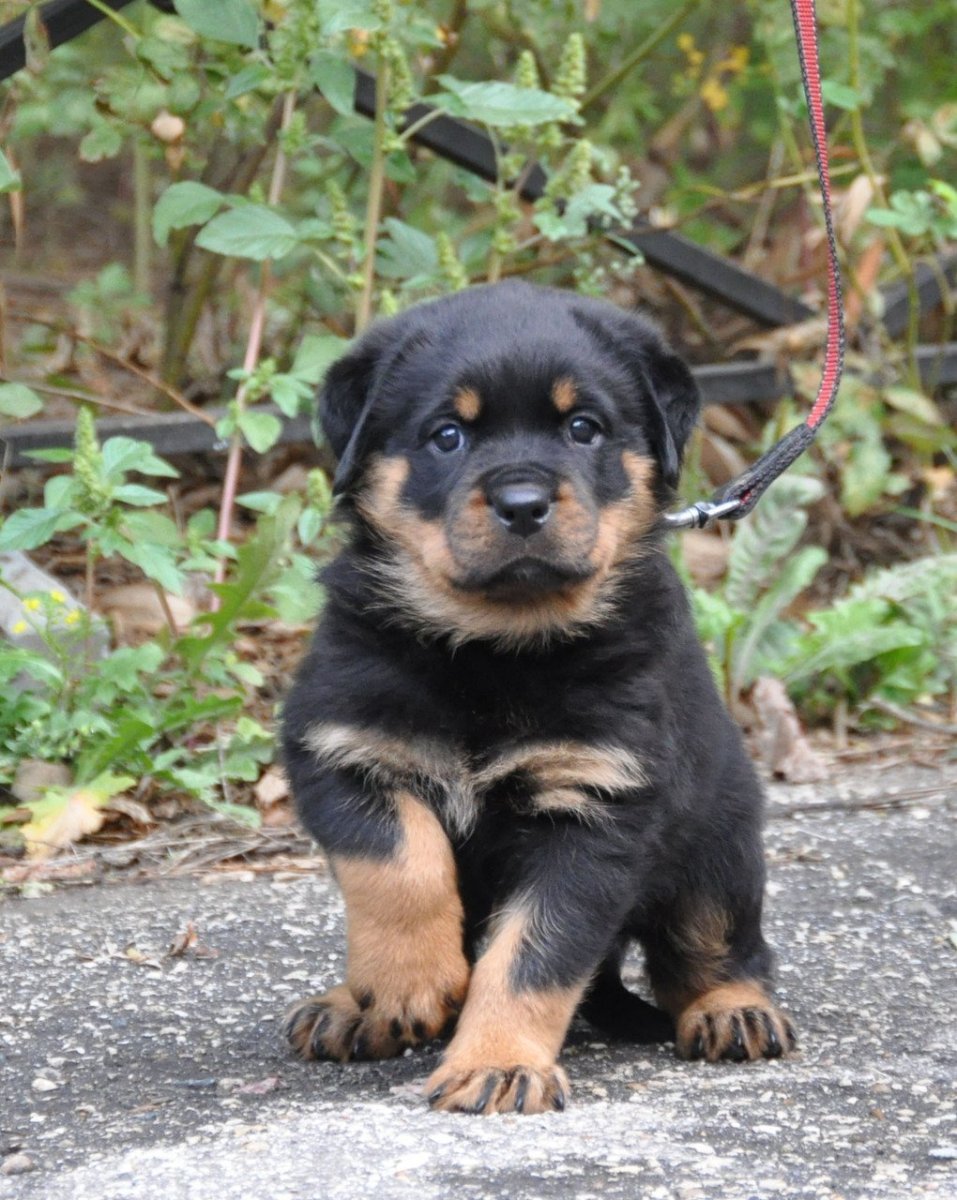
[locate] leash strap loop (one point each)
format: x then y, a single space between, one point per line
737 498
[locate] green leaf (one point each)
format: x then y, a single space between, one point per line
32 527
841 95
290 394
316 354
266 502
164 55
915 404
156 562
597 199
182 204
260 429
252 231
336 79
121 454
56 454
17 400
233 21
502 104
750 646
338 16
9 179
136 494
765 538
406 253
249 79
103 141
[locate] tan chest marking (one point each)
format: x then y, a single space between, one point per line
561 775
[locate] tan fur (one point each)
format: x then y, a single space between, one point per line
418 579
404 918
406 969
708 1025
701 938
570 764
467 404
443 772
564 395
502 1029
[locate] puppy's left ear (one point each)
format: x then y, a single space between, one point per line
674 405
666 385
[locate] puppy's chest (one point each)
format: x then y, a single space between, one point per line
527 772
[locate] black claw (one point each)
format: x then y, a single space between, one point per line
365 1000
558 1101
452 1003
484 1096
315 1038
418 1031
521 1092
773 1048
360 1048
697 1046
792 1039
395 1028
436 1095
737 1051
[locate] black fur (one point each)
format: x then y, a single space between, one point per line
685 843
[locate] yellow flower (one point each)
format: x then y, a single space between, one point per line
21 627
72 616
57 597
32 604
685 42
713 94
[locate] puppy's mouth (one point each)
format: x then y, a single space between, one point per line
525 578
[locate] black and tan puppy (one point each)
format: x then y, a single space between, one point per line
505 734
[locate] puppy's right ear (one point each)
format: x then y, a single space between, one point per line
345 403
358 385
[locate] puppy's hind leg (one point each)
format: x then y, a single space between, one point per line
709 965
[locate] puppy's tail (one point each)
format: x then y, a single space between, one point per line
612 1008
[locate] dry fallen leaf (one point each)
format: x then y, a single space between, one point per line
272 787
786 749
183 941
65 815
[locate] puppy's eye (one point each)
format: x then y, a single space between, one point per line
448 438
584 430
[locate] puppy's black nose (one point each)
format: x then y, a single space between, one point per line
523 506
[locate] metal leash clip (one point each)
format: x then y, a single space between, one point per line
700 514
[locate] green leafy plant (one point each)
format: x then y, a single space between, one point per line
167 713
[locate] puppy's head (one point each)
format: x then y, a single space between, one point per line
510 449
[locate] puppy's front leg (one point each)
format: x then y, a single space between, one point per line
544 947
406 973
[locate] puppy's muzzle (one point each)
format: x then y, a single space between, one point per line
522 502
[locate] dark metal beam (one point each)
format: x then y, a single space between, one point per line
931 280
63 21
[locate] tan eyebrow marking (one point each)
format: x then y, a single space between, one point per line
564 394
467 403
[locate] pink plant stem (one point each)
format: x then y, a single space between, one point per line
253 347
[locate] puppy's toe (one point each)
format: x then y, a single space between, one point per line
342 1026
486 1090
324 1026
735 1022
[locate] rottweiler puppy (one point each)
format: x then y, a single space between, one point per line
505 735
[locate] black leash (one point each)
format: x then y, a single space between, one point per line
737 498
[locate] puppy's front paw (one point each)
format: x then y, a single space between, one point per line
498 1090
341 1026
734 1021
